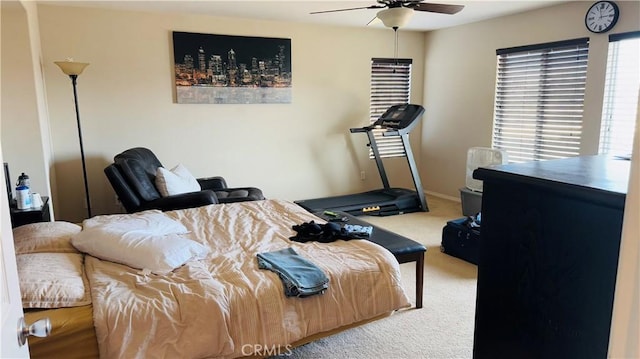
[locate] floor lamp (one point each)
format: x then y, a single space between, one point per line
73 69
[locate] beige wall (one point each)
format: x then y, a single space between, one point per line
625 327
21 139
291 151
460 71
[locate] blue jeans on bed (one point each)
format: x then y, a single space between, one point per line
300 277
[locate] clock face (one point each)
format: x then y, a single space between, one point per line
602 16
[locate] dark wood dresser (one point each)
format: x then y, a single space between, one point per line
548 257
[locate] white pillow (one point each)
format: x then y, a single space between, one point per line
52 280
148 240
151 220
41 237
175 181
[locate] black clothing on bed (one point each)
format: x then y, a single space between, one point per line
329 232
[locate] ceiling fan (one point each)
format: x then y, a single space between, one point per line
397 13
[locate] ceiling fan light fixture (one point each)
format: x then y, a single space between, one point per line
395 17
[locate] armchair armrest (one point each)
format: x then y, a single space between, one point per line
183 200
212 183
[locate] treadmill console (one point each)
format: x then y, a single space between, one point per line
398 117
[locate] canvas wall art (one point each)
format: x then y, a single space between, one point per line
224 69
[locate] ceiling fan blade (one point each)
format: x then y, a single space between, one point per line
353 8
438 8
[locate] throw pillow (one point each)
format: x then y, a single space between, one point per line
175 181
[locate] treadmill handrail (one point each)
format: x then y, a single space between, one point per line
360 129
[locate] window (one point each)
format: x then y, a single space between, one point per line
390 85
539 100
620 103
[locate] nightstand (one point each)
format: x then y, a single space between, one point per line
20 217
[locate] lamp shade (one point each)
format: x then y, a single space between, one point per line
395 17
71 67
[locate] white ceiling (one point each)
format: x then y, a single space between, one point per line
298 11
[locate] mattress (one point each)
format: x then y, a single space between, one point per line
72 333
74 337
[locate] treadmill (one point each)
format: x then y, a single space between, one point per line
398 120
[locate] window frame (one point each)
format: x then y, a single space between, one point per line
386 92
539 99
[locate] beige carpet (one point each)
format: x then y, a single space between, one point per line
443 328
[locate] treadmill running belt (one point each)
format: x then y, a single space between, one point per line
356 199
381 202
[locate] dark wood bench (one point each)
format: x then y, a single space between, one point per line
404 249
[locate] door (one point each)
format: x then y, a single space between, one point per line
10 301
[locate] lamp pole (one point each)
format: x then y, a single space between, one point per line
73 69
84 165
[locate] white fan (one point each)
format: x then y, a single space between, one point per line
480 157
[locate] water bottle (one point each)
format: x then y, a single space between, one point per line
23 180
23 192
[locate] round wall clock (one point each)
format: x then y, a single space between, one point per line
602 16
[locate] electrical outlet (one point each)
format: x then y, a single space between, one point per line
363 175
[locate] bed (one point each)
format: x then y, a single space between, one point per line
218 303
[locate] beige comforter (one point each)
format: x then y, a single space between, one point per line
224 306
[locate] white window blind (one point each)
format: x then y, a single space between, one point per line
390 85
620 103
539 100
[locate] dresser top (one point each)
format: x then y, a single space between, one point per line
600 173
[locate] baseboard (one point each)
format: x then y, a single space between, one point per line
444 196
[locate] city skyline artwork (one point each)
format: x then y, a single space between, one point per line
226 69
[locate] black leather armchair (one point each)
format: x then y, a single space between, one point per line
133 173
